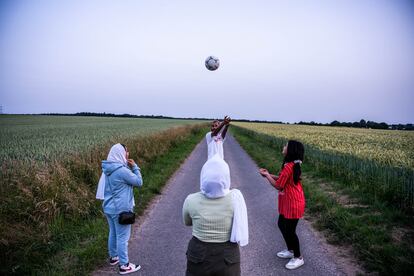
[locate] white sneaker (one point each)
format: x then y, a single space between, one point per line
129 268
113 260
285 254
295 263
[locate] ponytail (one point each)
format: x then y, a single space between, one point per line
297 172
295 154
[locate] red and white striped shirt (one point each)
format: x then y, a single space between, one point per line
291 197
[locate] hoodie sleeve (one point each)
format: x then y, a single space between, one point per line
133 177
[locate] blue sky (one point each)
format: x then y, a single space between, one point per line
280 60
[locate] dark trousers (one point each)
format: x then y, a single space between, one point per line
212 259
288 229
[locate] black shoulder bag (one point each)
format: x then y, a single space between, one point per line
126 217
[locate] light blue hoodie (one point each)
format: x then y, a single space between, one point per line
119 183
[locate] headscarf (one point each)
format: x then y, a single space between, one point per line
116 154
215 178
215 183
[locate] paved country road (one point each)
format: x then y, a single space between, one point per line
159 240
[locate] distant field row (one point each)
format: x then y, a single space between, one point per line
44 138
393 148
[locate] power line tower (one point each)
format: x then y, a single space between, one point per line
1 109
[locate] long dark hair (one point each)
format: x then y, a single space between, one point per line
295 151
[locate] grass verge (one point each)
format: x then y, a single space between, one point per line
51 223
381 236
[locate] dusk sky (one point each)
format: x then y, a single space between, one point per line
280 60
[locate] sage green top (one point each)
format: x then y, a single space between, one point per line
211 219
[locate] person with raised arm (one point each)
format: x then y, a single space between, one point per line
216 137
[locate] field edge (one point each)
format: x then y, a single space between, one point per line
340 217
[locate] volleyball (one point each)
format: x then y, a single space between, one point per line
212 63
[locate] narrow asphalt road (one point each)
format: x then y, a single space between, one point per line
159 240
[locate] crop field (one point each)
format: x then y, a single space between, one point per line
393 148
44 138
378 162
353 192
50 166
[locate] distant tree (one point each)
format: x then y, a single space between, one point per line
383 125
370 124
335 123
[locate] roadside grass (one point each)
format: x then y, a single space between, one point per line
51 222
382 236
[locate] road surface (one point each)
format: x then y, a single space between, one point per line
160 239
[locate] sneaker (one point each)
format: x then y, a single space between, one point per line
113 260
295 263
128 268
285 254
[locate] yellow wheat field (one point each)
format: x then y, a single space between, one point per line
389 147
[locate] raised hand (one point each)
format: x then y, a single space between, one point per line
131 162
263 172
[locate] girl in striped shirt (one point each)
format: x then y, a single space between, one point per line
291 200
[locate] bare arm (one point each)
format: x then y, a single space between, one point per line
223 133
270 177
224 123
227 120
275 177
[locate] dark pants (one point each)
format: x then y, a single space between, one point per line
212 259
288 229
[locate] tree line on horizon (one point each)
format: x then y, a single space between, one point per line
361 124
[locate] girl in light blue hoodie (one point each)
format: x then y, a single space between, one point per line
119 176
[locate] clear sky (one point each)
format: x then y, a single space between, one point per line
280 60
